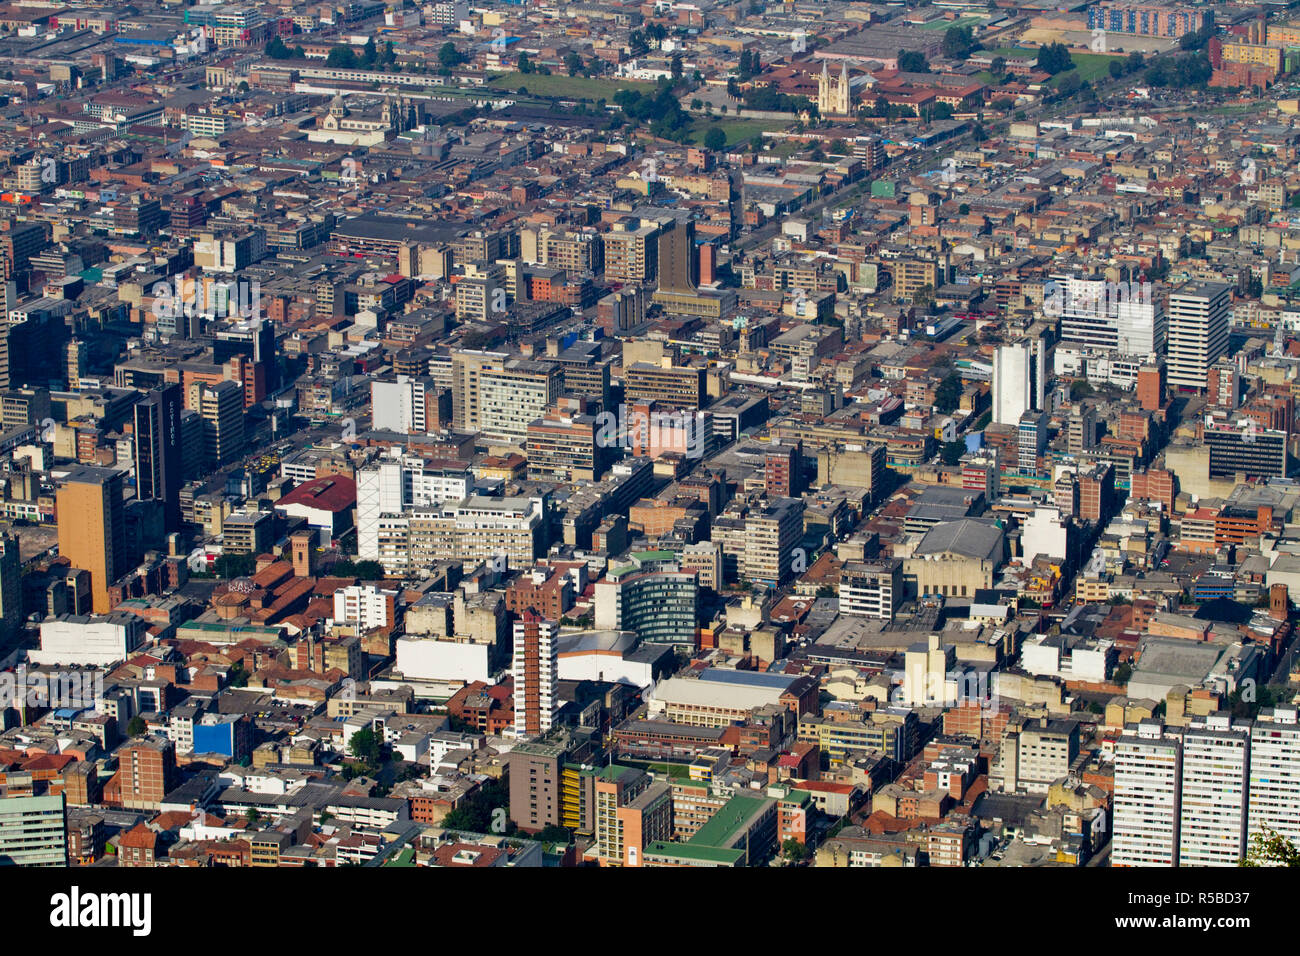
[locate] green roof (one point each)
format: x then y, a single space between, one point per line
722 826
689 851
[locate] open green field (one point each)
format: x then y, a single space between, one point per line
946 25
737 130
1088 67
566 87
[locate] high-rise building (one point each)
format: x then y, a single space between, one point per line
514 396
11 592
158 453
393 486
92 529
1019 380
1198 331
1212 814
1245 449
1151 387
1117 317
772 534
679 265
1031 439
1275 774
632 811
536 671
466 367
407 406
871 589
1148 773
147 772
33 831
221 408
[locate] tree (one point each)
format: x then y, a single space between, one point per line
1054 58
958 42
912 61
449 56
365 747
389 57
794 851
341 57
524 65
555 834
276 50
573 63
715 139
1134 62
817 156
675 68
369 54
999 66
369 570
229 566
1270 848
963 209
839 148
948 395
952 451
136 727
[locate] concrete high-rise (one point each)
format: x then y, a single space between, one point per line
679 265
11 592
1019 380
1198 332
158 452
1212 815
221 407
92 529
536 670
1148 772
466 367
33 831
1275 774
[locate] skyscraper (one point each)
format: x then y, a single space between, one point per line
1148 770
1212 818
1198 331
158 452
536 670
1275 773
11 591
679 265
92 528
221 407
1019 380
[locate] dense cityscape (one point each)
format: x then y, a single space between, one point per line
729 433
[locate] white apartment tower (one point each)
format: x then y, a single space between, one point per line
1212 816
1198 331
1019 380
1148 771
1275 774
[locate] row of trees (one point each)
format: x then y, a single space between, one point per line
344 57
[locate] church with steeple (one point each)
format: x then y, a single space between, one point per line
834 94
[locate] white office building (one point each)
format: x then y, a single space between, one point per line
401 406
1148 772
1212 816
392 487
1108 317
364 606
1019 380
1199 314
